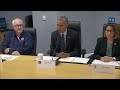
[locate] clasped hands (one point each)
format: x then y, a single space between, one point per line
106 59
63 55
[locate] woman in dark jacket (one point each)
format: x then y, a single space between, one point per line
108 47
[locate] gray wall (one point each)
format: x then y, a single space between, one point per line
10 15
91 26
44 28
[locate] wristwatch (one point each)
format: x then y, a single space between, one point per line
114 59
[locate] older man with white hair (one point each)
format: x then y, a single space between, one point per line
17 41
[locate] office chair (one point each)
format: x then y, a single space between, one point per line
76 25
33 33
3 24
29 21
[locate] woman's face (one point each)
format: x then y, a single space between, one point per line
109 32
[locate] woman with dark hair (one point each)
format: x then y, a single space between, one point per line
108 47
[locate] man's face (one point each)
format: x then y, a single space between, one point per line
61 26
18 26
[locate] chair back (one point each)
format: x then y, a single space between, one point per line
34 35
76 25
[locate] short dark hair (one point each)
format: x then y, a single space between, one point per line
63 18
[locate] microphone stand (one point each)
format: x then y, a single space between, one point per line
54 52
83 52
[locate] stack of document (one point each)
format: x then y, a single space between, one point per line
68 59
49 58
8 57
75 60
81 60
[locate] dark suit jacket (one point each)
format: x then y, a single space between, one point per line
24 46
72 43
101 47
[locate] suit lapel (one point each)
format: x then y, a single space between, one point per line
68 37
105 46
114 47
58 38
58 35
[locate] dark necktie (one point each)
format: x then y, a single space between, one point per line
62 43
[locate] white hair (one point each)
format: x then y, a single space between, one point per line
15 20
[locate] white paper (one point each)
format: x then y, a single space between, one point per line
8 57
106 63
81 60
68 59
88 54
49 58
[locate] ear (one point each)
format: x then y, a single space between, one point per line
67 24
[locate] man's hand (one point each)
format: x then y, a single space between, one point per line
106 59
16 53
63 55
7 50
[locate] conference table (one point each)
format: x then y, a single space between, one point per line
25 67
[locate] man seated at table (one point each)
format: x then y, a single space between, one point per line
17 41
64 41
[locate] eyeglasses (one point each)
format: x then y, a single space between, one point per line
18 25
109 31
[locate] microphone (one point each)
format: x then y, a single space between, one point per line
58 58
54 52
83 52
56 46
91 59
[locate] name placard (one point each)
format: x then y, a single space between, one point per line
46 63
103 68
0 59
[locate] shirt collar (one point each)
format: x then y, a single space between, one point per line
64 32
14 33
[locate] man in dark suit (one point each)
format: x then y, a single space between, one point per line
108 47
64 41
